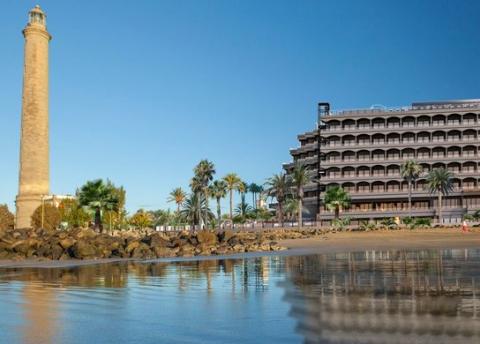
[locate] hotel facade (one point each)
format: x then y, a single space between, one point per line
363 150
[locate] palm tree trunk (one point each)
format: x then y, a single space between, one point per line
280 214
337 212
300 213
219 213
231 205
409 198
440 217
207 204
98 219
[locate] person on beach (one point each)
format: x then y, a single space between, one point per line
464 226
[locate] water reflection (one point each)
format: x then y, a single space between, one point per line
51 298
368 297
386 297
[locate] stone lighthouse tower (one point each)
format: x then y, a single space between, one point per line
34 150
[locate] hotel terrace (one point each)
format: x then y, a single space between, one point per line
362 151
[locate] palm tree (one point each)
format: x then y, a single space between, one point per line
255 189
204 172
291 208
439 181
410 171
336 198
178 196
245 210
195 208
242 188
277 187
233 183
98 196
299 177
218 190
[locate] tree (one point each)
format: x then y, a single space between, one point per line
291 208
7 219
439 181
233 183
255 189
243 188
218 190
72 213
141 219
336 199
277 186
98 196
299 178
244 209
51 217
195 208
204 172
178 196
410 171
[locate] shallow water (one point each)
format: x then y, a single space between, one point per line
364 297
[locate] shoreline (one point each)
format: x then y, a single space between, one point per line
328 243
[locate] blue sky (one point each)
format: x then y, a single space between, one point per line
140 91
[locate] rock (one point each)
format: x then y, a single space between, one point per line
203 249
233 241
132 246
66 243
226 235
83 250
158 239
86 233
163 251
186 250
142 251
238 248
56 252
222 249
206 237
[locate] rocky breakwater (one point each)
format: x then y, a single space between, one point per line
81 243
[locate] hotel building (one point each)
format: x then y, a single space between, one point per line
363 150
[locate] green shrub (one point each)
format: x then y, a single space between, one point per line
341 224
51 217
423 222
367 226
388 223
7 219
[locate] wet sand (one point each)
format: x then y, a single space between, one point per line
331 242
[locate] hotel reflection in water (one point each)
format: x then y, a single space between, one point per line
386 297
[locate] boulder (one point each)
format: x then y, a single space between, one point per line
67 242
163 251
132 245
225 235
222 249
142 251
207 237
83 250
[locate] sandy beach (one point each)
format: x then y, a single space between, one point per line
384 240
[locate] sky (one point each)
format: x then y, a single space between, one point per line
141 91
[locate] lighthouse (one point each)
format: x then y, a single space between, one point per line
34 141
